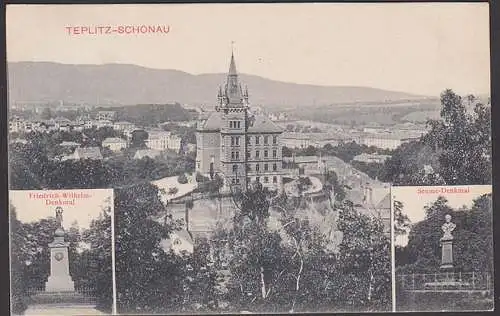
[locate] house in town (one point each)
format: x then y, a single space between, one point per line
93 153
114 143
151 153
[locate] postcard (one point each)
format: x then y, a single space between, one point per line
251 150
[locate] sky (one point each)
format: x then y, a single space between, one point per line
414 202
84 211
417 48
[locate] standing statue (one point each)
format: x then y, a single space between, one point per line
59 218
447 228
447 243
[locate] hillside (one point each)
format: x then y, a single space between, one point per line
129 84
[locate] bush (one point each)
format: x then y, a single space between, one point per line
200 178
182 179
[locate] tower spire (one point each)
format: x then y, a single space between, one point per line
233 89
232 65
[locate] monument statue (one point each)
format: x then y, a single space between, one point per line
59 218
448 227
59 279
447 243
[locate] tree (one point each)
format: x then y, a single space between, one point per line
46 114
457 147
148 279
182 179
364 261
139 138
18 259
472 243
286 152
98 236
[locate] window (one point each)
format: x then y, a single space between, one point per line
249 140
237 181
235 168
266 167
249 168
275 179
275 167
266 140
248 179
231 124
257 154
235 140
248 154
233 181
257 167
257 140
275 153
238 124
235 155
232 155
257 179
266 153
275 140
266 179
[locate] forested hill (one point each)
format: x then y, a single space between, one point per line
151 114
130 84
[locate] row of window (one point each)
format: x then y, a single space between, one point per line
235 140
266 140
257 167
234 124
235 155
266 179
257 179
266 154
266 167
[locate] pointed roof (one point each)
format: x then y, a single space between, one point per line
233 91
232 66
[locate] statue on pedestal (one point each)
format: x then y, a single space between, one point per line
59 279
447 243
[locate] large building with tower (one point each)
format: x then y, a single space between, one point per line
237 144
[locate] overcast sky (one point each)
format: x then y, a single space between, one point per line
418 48
414 202
84 211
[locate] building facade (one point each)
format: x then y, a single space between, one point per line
237 144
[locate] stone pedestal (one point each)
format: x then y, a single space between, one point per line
59 279
446 254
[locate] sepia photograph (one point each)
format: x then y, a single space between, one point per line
251 147
61 252
443 248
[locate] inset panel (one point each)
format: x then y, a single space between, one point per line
443 239
61 252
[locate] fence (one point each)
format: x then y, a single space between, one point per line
447 281
82 295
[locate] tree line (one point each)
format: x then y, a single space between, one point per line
248 266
